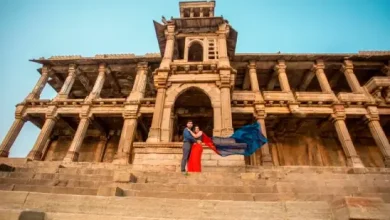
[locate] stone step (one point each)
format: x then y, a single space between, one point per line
163 208
190 192
49 189
55 182
60 176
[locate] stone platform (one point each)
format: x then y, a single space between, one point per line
57 190
171 154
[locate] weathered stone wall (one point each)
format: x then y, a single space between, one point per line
111 149
88 149
369 152
58 148
310 150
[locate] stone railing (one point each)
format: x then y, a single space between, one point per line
113 101
236 103
39 102
278 97
315 97
69 102
148 102
194 67
353 98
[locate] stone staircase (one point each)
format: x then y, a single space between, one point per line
56 190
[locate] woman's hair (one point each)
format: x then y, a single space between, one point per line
197 126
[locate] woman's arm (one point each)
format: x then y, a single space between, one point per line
195 135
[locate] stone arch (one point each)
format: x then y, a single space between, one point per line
196 51
174 91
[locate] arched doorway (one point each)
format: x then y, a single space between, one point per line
193 105
195 52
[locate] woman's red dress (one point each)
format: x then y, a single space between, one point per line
194 162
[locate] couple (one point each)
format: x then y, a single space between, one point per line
244 141
192 148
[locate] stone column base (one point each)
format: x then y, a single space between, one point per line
355 162
266 160
226 132
121 159
4 153
71 156
34 155
154 135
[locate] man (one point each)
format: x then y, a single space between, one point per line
188 140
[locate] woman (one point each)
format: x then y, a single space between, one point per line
194 162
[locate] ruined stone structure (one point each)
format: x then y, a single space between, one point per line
317 110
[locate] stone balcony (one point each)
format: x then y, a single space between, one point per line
178 67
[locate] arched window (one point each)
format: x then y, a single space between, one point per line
195 52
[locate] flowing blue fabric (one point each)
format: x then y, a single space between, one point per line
244 141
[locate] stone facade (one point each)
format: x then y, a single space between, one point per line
315 109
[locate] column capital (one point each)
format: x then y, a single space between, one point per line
72 68
319 65
347 65
54 117
142 66
45 69
370 117
102 67
280 66
130 115
161 79
252 65
260 112
338 113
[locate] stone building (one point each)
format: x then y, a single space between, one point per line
315 109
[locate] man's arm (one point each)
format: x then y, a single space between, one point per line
187 135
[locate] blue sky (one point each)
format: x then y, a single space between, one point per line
42 28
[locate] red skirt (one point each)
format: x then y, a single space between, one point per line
194 162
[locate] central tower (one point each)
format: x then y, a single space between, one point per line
196 50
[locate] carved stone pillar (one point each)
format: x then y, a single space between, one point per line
126 140
155 129
98 86
266 158
11 136
254 82
353 82
160 82
73 152
138 91
101 147
338 118
37 151
283 80
38 88
226 107
372 119
169 47
322 80
69 81
223 59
